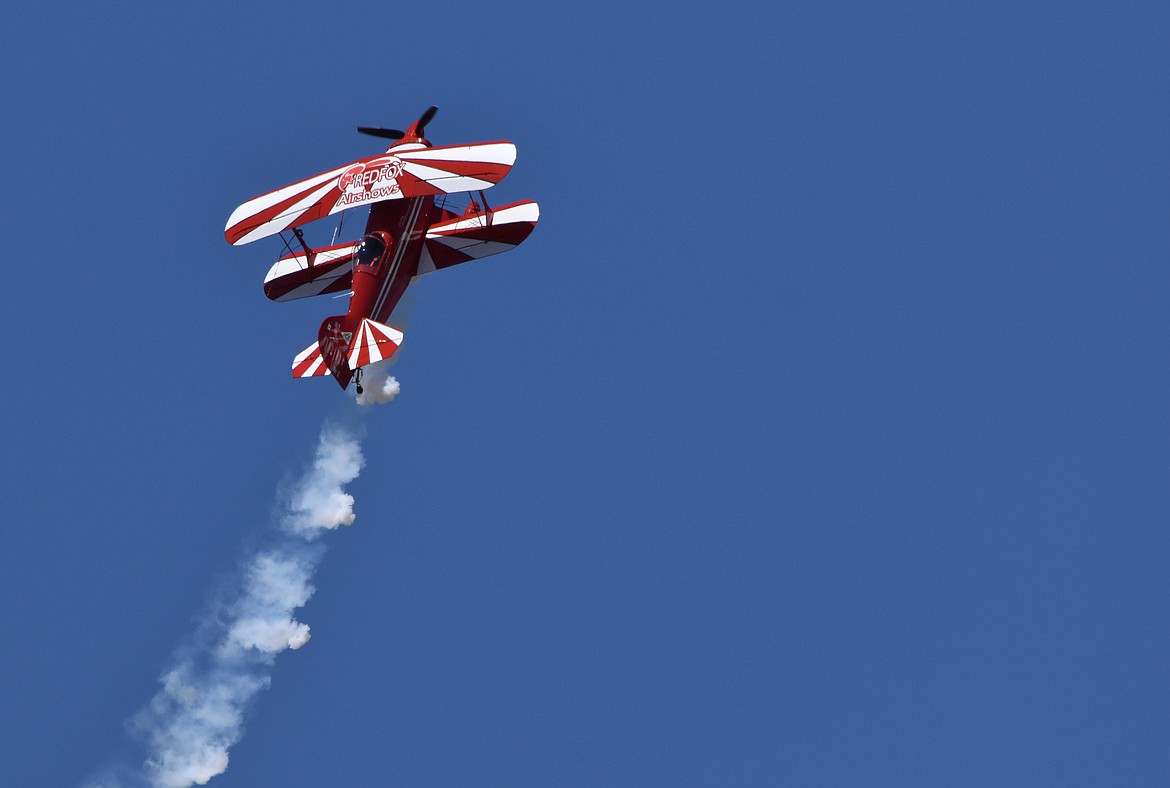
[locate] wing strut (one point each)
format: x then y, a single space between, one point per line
487 209
301 237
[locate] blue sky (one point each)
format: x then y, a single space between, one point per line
818 434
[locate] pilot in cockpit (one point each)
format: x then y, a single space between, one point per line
370 250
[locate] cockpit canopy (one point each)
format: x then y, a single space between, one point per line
370 250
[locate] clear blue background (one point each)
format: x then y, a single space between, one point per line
818 435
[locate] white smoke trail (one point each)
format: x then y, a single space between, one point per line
378 385
197 715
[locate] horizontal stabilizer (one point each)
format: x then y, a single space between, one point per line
372 343
309 363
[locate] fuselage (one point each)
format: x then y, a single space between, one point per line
379 280
378 286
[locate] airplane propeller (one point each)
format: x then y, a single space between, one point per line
394 134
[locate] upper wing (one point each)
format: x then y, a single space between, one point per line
400 172
330 270
472 237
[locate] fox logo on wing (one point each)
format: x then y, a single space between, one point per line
361 178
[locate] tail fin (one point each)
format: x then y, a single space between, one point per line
333 343
341 352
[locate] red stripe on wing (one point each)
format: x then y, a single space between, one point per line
315 211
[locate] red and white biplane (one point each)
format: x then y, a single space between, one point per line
410 232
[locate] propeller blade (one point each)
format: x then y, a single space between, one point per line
389 134
395 134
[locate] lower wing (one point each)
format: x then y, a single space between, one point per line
300 275
480 235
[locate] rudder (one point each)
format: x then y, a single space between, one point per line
333 342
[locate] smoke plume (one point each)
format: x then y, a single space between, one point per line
378 385
197 715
